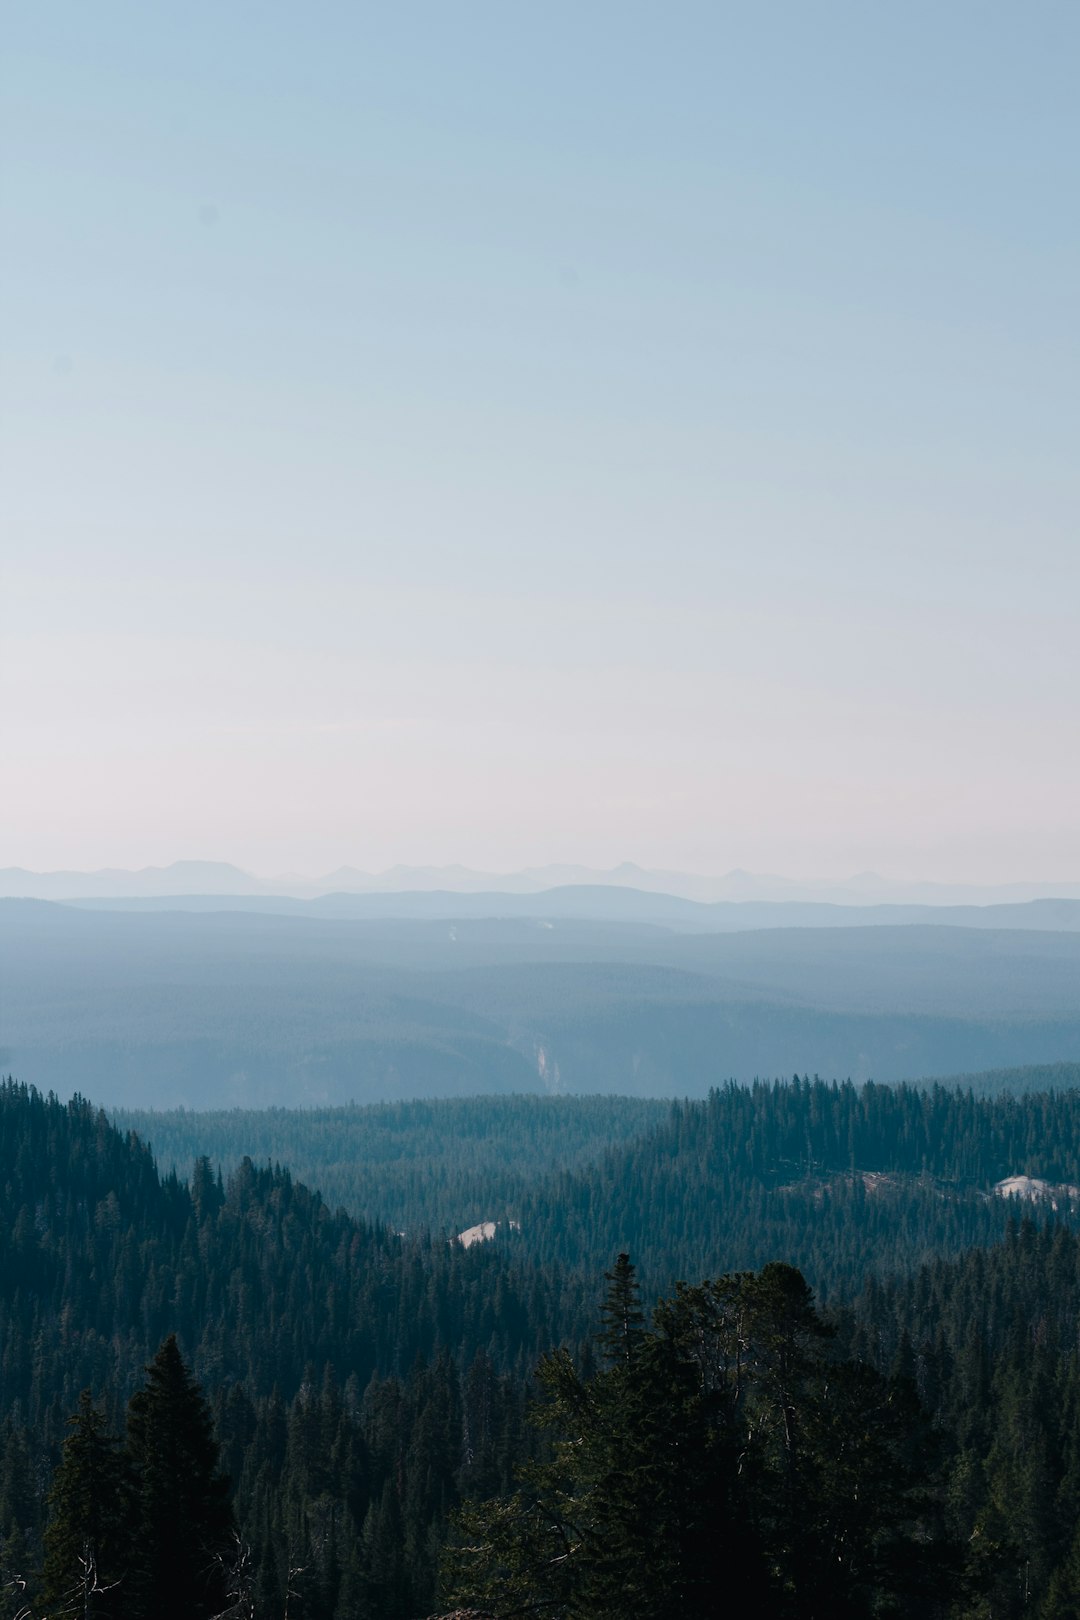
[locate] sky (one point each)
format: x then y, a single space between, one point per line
509 434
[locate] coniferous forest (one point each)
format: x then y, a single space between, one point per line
788 1338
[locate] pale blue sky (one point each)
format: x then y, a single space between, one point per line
507 434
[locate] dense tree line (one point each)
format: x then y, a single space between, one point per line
337 1506
838 1179
991 1341
362 1387
443 1165
1030 1077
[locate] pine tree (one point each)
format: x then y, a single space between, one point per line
88 1545
184 1522
623 1319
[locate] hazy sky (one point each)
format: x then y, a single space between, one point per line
509 433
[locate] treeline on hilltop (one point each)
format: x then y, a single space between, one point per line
104 1258
365 1388
838 1179
441 1166
1030 1077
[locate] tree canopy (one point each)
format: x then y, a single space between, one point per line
726 1447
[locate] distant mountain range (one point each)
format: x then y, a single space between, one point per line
205 879
600 905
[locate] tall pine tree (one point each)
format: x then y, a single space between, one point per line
89 1549
186 1534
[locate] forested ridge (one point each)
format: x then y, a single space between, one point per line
835 1178
441 1165
327 1346
450 1163
365 1386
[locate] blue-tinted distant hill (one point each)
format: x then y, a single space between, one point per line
219 879
227 1008
605 903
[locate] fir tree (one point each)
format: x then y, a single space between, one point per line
184 1522
621 1313
89 1552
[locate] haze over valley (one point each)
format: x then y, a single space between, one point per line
578 990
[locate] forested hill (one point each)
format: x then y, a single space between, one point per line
1029 1077
442 1165
837 1179
100 1258
364 1384
326 1344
